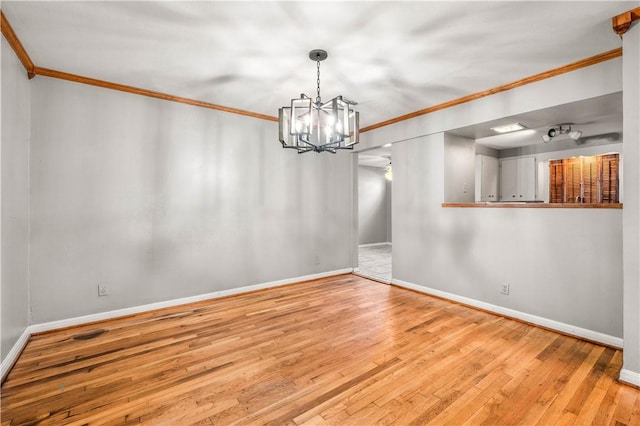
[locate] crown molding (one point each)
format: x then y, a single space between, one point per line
622 22
602 57
45 72
14 42
33 70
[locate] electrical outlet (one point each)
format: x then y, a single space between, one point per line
316 259
505 288
465 188
103 290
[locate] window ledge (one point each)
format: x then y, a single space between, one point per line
521 205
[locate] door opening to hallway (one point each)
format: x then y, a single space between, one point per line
375 262
374 214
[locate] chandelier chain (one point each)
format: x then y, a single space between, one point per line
318 98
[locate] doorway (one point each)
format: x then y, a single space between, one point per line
375 247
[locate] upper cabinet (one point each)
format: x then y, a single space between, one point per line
486 178
518 179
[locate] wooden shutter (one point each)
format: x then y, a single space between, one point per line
556 181
609 178
585 179
590 179
573 179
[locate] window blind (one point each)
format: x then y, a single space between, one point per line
584 179
556 181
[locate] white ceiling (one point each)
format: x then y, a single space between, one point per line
392 57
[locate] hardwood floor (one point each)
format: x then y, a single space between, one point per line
342 350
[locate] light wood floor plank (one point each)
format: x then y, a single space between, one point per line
336 351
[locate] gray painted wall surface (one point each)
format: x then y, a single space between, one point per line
471 251
160 200
459 169
631 129
556 270
389 211
15 199
374 199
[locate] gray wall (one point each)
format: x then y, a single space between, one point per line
631 172
15 200
470 252
374 206
556 270
459 169
160 200
389 211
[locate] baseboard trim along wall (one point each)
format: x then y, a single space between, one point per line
629 377
533 319
626 376
13 355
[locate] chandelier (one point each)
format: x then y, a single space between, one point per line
319 126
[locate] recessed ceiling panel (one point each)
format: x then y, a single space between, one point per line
596 116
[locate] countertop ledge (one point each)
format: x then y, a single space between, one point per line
522 205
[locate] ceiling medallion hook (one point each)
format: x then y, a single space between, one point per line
318 55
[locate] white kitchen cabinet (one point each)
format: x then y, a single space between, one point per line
518 179
486 178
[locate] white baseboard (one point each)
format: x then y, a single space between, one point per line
630 377
13 355
626 376
374 245
53 325
594 336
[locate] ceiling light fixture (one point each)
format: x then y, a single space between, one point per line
508 128
561 129
388 172
317 126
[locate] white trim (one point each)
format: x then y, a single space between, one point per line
374 245
629 377
17 348
102 316
14 353
534 319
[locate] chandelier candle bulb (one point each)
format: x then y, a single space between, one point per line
316 126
